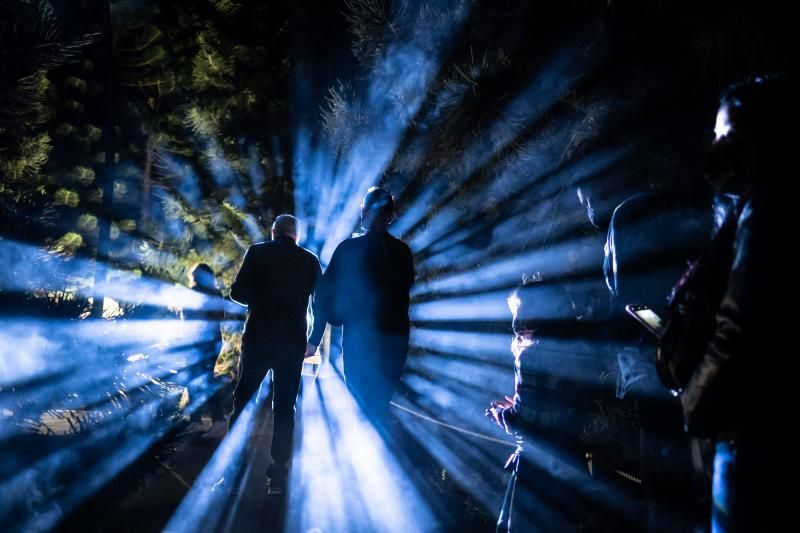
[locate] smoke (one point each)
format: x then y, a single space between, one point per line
331 178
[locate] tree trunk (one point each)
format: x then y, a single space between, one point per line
104 226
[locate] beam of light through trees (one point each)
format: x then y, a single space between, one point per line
505 160
329 182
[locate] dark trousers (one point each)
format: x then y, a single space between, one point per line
286 362
373 367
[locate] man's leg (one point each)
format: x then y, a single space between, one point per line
286 382
373 370
361 380
251 376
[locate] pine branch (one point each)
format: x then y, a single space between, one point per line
369 23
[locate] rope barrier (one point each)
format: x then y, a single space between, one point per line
620 473
454 428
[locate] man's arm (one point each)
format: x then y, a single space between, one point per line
324 295
319 319
242 286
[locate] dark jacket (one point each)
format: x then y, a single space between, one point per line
366 285
549 486
747 374
275 282
550 381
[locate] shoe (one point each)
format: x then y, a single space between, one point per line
276 480
276 488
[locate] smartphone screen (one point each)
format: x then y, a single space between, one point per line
646 317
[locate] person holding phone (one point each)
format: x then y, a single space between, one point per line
742 392
648 245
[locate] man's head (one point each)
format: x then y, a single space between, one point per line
753 134
377 209
202 276
284 226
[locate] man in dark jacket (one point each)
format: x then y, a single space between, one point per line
366 290
275 282
650 240
742 393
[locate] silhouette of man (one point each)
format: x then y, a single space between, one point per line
742 393
649 241
275 282
366 290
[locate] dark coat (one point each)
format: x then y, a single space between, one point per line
275 282
366 286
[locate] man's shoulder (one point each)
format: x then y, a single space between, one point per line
355 240
361 242
399 244
311 256
362 239
257 249
277 247
265 250
351 243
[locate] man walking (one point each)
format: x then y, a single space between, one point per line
275 282
366 290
